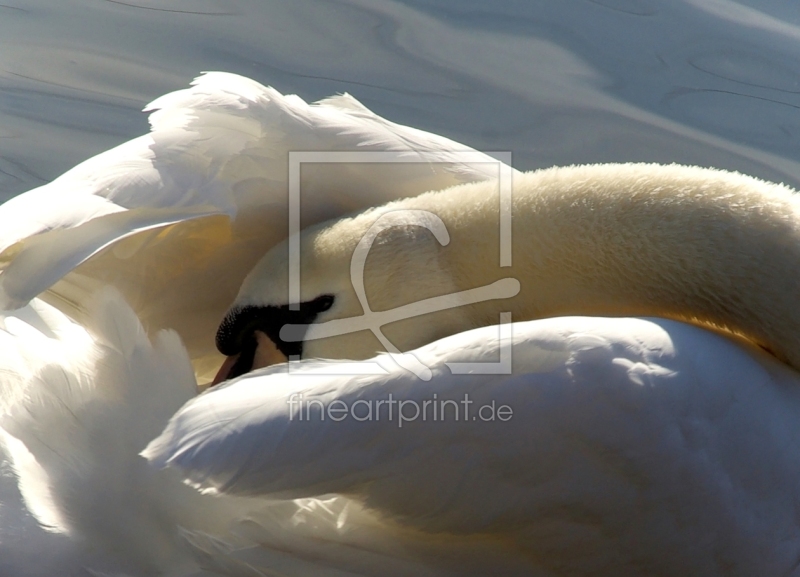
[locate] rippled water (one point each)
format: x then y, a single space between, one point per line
708 82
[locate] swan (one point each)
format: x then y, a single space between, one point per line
701 245
634 445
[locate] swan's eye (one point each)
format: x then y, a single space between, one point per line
322 303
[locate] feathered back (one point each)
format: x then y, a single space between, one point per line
197 201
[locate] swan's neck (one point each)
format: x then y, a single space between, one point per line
645 240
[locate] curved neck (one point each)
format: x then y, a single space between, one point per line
647 240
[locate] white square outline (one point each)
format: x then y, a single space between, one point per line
504 181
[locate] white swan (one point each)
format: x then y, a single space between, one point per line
634 447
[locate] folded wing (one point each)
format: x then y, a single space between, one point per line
629 440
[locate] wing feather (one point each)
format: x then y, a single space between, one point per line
220 147
631 440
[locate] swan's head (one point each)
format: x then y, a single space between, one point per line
400 265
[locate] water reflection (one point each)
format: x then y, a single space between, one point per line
711 82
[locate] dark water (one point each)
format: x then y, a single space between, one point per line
709 82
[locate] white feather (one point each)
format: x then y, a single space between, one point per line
75 437
635 447
198 200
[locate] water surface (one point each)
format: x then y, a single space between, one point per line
709 82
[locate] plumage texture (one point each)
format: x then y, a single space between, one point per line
635 447
206 188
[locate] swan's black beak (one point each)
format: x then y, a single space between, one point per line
250 336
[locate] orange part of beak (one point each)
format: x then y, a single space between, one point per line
224 370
